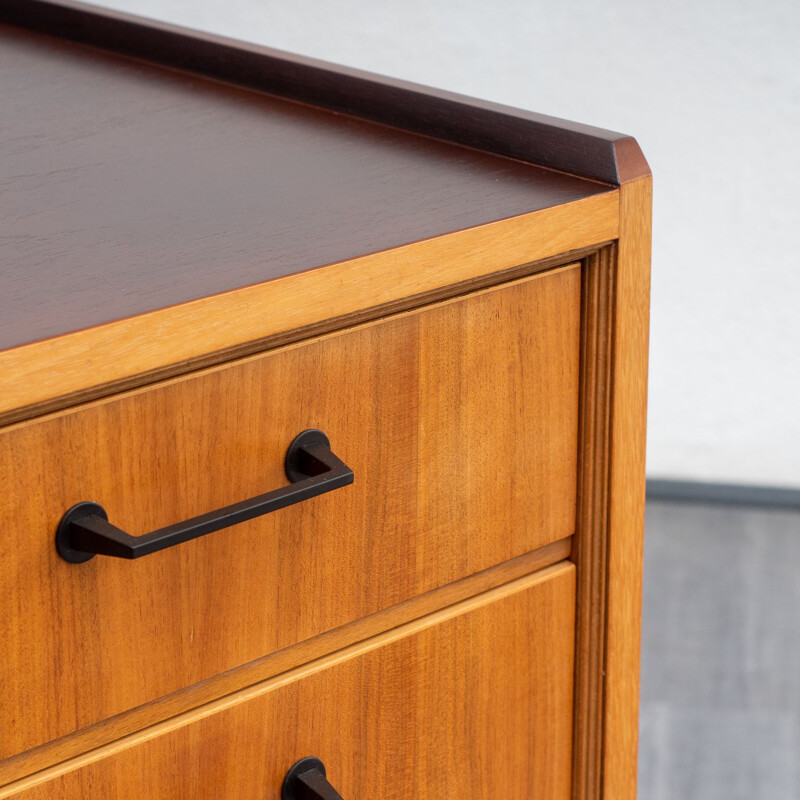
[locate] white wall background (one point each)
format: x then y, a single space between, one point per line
711 90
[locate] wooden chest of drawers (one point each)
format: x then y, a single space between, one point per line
322 406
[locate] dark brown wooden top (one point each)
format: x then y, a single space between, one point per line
533 138
129 187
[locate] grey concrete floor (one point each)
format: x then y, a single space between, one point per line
720 701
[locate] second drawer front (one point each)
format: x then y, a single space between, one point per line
458 420
474 703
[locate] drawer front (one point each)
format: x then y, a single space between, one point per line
459 421
474 702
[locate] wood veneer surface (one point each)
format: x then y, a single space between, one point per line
461 461
55 373
532 138
129 187
626 493
159 712
473 701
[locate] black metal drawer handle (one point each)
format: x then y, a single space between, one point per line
306 781
84 531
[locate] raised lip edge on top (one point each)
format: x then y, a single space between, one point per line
581 150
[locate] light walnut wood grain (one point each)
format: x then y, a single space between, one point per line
473 701
184 700
462 460
35 375
627 490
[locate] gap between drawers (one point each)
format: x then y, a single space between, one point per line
229 688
